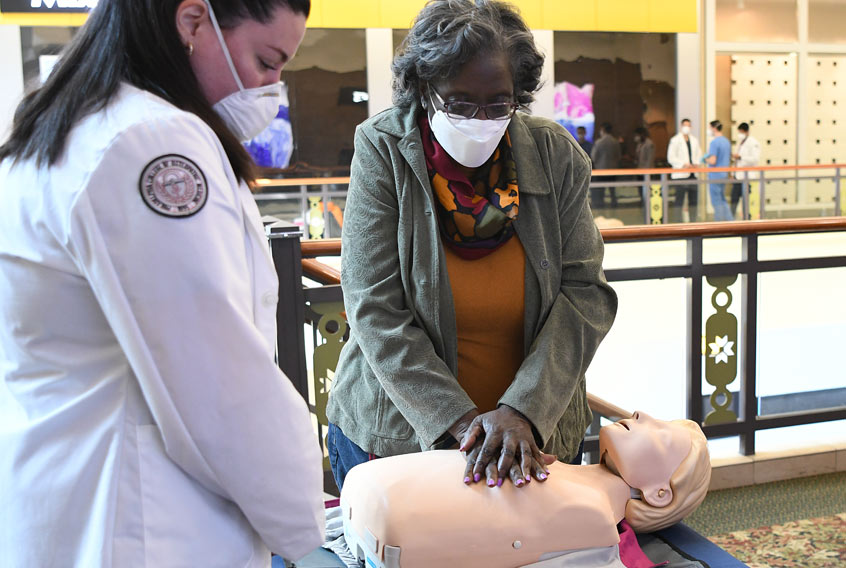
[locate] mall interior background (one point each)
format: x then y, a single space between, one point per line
779 65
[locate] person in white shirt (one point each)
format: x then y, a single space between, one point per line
747 153
684 153
143 420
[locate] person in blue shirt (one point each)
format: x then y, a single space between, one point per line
719 156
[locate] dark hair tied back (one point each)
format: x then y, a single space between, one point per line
132 41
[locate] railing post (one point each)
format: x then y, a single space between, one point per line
748 403
694 330
744 203
665 194
838 203
290 310
645 192
762 195
304 207
324 199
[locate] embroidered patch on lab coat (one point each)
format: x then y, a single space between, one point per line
173 186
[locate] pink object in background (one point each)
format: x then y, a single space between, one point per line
580 99
574 107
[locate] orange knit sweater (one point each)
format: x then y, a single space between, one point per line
489 308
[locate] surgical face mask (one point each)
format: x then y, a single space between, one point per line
246 111
686 130
470 141
741 136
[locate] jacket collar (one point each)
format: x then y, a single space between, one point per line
402 123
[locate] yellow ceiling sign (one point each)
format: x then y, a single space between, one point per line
666 16
56 20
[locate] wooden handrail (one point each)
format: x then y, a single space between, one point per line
703 169
607 409
290 182
321 247
727 229
323 273
332 247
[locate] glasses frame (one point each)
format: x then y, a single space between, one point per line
513 106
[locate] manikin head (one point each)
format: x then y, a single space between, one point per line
667 462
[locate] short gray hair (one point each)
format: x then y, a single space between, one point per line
449 33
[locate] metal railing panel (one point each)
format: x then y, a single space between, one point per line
322 305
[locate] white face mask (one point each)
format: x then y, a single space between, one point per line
741 136
470 141
686 130
246 111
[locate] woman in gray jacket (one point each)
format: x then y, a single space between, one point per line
471 265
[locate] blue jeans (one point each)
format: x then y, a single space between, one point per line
722 212
345 455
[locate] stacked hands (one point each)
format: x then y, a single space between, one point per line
500 445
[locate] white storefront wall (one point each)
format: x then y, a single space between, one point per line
11 76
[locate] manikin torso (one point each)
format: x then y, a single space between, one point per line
577 507
414 510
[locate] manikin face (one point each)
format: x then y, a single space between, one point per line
645 452
259 50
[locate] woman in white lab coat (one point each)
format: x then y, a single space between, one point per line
143 421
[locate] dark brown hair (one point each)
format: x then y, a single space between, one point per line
133 41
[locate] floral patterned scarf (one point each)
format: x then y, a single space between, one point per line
476 215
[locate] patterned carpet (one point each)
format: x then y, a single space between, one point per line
812 543
799 523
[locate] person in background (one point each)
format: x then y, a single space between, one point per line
605 155
143 418
719 156
471 264
684 153
746 154
645 149
581 138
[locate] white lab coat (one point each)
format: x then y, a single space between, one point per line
750 155
143 421
677 154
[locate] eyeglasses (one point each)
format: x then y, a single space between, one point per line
463 110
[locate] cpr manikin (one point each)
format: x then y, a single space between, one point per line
414 511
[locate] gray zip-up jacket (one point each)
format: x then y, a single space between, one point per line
395 389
